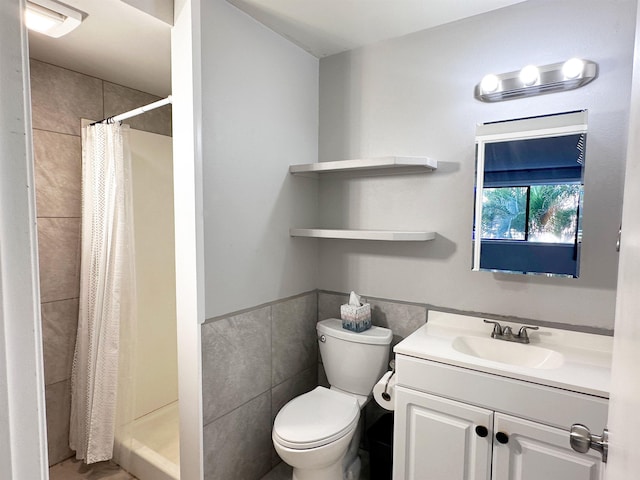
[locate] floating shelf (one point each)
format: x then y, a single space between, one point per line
385 235
388 165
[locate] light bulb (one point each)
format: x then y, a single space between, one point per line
529 75
41 20
572 68
489 83
51 17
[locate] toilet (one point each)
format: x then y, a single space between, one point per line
318 433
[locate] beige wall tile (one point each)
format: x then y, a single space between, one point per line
58 400
402 318
295 342
59 325
238 445
58 161
59 251
236 361
60 98
329 304
303 382
119 99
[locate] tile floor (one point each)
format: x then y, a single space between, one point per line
72 469
281 472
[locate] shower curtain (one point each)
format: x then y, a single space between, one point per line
107 294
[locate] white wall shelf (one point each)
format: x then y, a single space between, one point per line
366 166
384 235
382 165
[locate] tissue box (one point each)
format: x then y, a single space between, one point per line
356 319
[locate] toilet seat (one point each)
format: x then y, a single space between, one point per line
315 419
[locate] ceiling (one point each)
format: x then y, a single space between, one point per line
121 44
326 27
116 42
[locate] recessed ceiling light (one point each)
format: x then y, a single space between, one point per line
52 18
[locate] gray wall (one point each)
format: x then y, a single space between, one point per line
414 96
260 114
254 362
60 99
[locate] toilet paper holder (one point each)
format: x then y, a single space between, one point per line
385 395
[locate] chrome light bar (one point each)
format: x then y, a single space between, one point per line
532 80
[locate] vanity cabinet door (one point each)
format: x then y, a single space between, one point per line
440 439
534 451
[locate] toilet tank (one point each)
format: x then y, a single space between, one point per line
354 362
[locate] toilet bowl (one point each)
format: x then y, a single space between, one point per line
312 433
317 431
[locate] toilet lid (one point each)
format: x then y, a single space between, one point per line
316 418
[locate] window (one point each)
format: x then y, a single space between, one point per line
539 213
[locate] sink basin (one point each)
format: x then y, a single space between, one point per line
511 353
566 359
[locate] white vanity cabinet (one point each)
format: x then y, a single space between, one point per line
472 407
435 438
454 423
539 451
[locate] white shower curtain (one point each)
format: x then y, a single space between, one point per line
107 292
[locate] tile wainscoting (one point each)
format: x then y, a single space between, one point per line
257 360
253 363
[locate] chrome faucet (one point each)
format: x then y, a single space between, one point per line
506 333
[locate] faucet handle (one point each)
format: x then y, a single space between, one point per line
497 328
522 333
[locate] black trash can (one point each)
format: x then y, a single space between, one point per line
380 437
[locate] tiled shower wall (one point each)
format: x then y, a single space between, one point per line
255 361
60 99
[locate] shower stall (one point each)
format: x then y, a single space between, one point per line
149 446
124 381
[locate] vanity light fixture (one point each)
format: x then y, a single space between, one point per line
51 17
533 80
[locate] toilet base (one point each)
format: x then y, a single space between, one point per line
352 472
333 472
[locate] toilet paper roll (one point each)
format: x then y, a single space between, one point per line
384 391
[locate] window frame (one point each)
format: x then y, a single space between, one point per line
555 125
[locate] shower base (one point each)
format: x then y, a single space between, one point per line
154 451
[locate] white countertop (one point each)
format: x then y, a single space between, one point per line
587 357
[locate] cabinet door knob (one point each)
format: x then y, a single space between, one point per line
502 437
581 440
482 431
